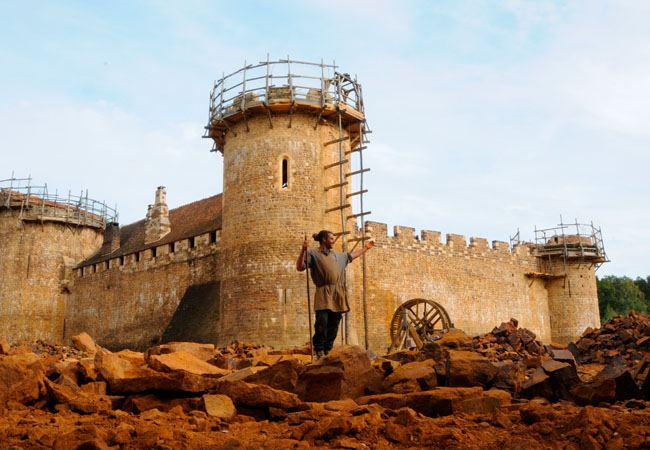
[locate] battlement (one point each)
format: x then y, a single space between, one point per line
405 238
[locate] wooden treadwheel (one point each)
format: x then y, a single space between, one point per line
417 318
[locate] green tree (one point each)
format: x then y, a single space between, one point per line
644 286
618 295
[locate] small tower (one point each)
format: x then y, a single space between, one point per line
568 261
288 132
43 237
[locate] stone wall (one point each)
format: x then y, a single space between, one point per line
573 301
36 261
479 285
130 303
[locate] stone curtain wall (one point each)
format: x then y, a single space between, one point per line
479 286
36 261
130 305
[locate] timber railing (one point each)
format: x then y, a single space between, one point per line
36 203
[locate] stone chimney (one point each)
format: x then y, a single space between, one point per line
157 222
111 237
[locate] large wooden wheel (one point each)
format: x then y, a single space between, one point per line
417 318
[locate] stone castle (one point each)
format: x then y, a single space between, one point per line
223 268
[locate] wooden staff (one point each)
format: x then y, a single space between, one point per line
311 346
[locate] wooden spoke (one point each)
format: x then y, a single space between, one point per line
425 317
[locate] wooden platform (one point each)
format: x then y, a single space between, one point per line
351 118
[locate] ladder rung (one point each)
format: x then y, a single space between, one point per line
337 163
357 149
359 215
327 188
336 208
359 239
357 193
357 172
341 232
335 141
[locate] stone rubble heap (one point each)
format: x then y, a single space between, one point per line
456 392
626 337
507 342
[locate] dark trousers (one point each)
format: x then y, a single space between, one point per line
327 326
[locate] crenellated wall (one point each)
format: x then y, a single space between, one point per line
129 302
479 285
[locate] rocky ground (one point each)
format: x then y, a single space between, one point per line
500 390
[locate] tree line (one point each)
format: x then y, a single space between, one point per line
618 295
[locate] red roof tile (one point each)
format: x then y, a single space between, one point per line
193 219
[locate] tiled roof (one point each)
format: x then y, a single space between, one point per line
189 220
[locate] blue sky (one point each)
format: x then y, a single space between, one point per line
487 116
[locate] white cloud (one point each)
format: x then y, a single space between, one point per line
119 157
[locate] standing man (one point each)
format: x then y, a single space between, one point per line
328 273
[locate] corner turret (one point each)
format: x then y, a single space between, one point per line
568 263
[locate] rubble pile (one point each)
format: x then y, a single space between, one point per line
508 342
626 337
196 396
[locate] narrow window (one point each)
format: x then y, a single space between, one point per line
121 260
172 247
137 256
191 242
153 252
94 268
213 237
285 173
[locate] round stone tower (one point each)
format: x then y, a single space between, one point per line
286 131
43 237
569 261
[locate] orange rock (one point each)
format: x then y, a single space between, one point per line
257 395
135 358
124 377
344 373
4 347
203 352
505 398
26 391
139 403
95 387
341 405
184 361
480 405
283 375
440 401
220 406
84 343
243 374
266 360
420 375
536 411
469 369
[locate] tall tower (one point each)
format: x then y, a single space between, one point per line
42 238
288 132
567 259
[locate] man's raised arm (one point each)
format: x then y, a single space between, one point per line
368 246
